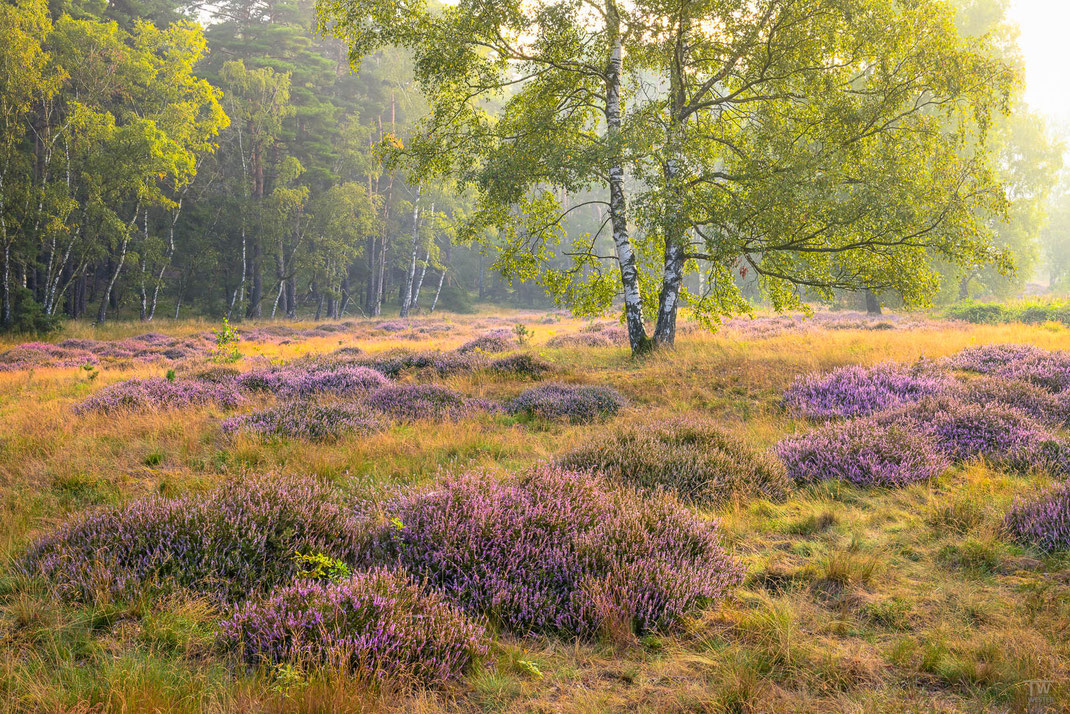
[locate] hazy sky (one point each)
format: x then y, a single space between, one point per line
1046 46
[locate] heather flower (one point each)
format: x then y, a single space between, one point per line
559 552
311 421
224 544
379 624
1043 521
690 457
523 365
443 364
864 452
495 341
158 394
577 404
1003 435
1049 370
392 326
582 339
298 382
1034 401
858 391
414 402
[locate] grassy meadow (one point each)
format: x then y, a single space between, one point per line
854 599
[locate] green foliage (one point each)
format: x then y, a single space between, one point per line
226 344
523 334
319 566
1033 312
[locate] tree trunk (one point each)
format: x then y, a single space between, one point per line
406 290
102 312
633 305
964 287
873 305
442 275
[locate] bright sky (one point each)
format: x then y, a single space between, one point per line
1046 46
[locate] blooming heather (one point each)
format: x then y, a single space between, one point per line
494 341
302 419
1036 402
691 457
1046 369
157 393
443 364
858 391
1044 521
577 404
413 402
523 365
582 339
298 382
864 452
556 551
223 544
379 624
1003 435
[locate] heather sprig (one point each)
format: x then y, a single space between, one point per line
577 404
691 457
225 544
555 551
379 624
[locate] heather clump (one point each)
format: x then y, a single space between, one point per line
522 365
224 544
415 402
1042 521
858 391
378 624
1002 435
299 382
31 355
1049 370
491 342
690 457
155 394
1037 402
577 404
582 339
864 452
558 552
395 363
302 419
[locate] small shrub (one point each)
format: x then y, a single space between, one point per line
1042 521
306 420
523 334
1034 401
582 339
442 364
560 552
859 391
378 624
864 452
414 402
224 544
156 394
226 344
303 383
1046 369
523 365
693 458
563 401
496 341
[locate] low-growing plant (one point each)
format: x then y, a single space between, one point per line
1036 402
378 624
523 334
577 404
157 393
1049 370
495 341
864 452
442 364
859 391
303 383
225 544
555 551
320 566
688 456
415 402
226 344
1042 521
523 365
312 421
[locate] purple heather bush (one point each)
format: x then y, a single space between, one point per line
225 544
691 457
302 419
414 402
1043 521
577 404
1036 402
864 452
299 382
379 624
858 391
523 365
582 339
1046 369
443 364
494 341
1003 435
393 326
43 354
157 394
558 552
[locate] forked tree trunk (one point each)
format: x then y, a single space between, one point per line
873 304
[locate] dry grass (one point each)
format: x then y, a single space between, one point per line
855 601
